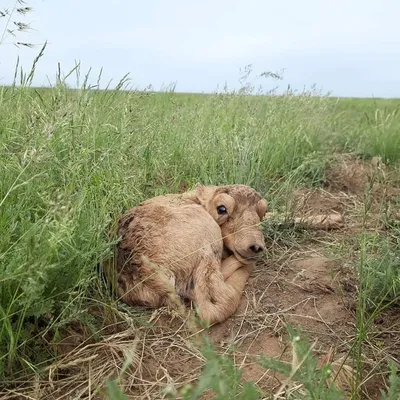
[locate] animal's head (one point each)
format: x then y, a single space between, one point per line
238 210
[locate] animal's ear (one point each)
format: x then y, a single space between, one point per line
261 208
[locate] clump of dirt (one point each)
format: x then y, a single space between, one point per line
353 176
318 201
350 175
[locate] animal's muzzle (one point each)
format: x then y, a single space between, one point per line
252 251
256 248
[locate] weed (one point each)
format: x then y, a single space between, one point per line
14 23
393 391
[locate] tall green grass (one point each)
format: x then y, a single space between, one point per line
369 127
72 160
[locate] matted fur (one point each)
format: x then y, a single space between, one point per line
182 244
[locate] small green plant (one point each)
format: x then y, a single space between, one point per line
393 391
115 392
304 370
222 377
379 288
379 271
225 379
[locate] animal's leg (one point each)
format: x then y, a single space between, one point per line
239 278
217 299
153 288
143 294
229 266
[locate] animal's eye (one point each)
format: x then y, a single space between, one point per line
221 210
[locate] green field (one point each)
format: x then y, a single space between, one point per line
72 160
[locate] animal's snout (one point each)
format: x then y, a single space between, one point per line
257 248
251 251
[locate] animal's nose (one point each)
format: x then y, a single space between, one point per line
256 248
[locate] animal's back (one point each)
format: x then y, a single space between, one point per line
171 232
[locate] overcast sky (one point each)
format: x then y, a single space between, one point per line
347 47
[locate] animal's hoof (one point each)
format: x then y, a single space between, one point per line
325 222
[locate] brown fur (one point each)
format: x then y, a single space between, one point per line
180 244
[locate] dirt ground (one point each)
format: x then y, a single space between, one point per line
301 281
